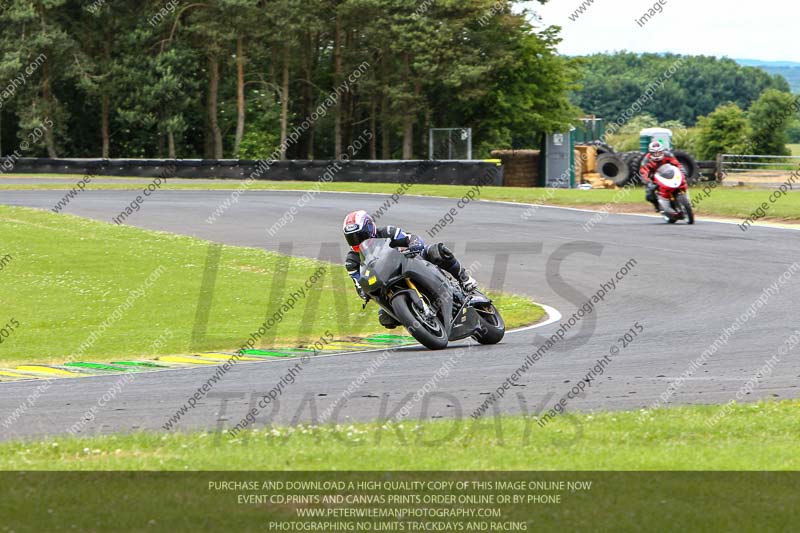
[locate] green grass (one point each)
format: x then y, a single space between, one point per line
795 148
116 483
759 436
67 276
724 202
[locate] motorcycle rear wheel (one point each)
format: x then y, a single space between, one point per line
429 331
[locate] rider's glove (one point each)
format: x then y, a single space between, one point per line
416 245
361 293
355 276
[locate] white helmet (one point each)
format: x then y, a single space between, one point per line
656 150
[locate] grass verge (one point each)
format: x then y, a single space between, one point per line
723 202
753 437
78 286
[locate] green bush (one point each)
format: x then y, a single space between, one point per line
723 131
686 139
794 131
769 121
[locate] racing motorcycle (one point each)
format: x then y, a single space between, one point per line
425 299
673 195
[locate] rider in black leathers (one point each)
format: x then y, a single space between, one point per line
359 226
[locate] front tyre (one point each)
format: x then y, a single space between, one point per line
686 205
428 330
492 327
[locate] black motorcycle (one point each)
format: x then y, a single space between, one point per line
425 299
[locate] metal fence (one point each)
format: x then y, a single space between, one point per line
757 170
450 143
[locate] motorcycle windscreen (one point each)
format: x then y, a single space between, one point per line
372 248
669 176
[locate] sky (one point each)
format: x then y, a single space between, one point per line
765 30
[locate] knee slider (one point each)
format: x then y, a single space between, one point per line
444 253
439 254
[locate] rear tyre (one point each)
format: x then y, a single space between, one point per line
493 329
686 205
689 164
428 330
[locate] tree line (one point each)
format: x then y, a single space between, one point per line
243 78
764 129
612 81
712 105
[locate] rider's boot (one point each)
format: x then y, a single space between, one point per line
655 203
652 196
386 320
467 282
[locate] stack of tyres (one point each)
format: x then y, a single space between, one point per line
602 148
612 166
634 161
689 165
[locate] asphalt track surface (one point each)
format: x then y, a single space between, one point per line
689 284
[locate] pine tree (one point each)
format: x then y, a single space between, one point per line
38 50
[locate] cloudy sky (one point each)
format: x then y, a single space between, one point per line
765 30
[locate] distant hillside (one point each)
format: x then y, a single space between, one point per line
788 69
761 63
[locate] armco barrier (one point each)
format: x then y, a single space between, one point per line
455 172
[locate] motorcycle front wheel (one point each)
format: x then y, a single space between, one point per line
492 329
686 205
428 330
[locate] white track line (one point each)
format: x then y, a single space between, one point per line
553 316
773 225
